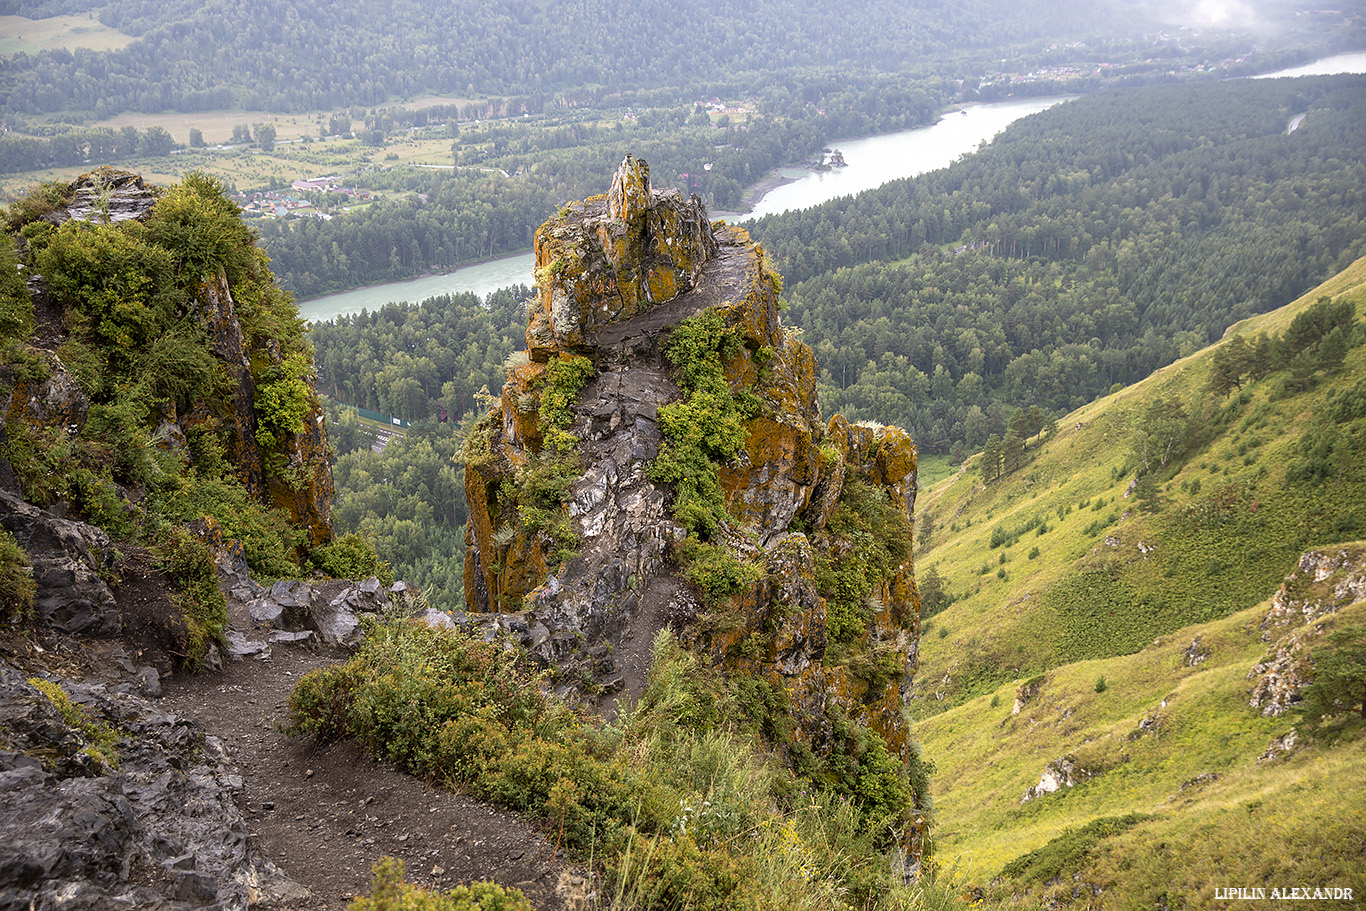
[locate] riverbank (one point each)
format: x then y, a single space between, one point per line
755 194
474 263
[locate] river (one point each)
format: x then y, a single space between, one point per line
871 162
1328 66
480 279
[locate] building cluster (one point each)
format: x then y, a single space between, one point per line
290 204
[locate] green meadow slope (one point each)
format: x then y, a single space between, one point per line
1106 621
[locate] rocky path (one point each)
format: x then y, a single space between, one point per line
326 815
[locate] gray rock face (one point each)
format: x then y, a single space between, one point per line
1062 772
106 195
1322 583
68 558
161 831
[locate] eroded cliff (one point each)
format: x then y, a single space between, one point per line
658 459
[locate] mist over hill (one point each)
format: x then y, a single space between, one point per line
287 56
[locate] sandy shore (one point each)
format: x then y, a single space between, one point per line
753 195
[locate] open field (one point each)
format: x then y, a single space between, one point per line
248 167
19 34
217 125
299 152
1166 738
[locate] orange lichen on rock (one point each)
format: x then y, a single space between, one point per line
616 274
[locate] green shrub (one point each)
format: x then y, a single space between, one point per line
196 220
16 306
16 580
35 204
1065 854
565 377
181 367
714 570
351 557
865 542
1339 685
703 430
388 892
539 489
202 606
283 399
115 287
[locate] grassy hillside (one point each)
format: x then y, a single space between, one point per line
1132 606
1172 741
1233 511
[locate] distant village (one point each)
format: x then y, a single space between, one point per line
303 199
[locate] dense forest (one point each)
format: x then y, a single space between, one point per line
1087 246
408 501
417 360
436 220
284 55
427 362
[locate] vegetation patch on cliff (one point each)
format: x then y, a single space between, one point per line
704 429
866 541
157 378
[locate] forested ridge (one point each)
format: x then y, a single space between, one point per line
284 55
1087 246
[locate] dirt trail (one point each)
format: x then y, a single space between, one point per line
327 815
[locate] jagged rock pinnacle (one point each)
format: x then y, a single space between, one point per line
630 194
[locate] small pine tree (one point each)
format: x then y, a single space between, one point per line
990 466
1012 451
1339 678
925 537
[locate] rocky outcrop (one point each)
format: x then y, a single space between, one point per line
615 275
104 196
294 473
1063 772
1025 693
71 561
1323 583
156 827
325 611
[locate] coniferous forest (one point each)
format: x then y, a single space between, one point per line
1089 245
